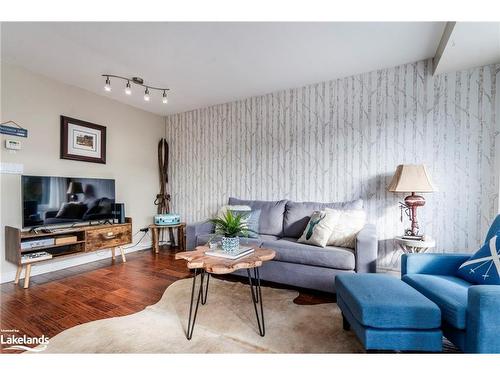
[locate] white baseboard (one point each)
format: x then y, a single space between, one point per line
76 260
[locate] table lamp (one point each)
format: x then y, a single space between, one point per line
74 189
412 178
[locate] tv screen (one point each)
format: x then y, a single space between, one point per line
66 200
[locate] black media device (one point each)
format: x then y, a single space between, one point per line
119 213
50 200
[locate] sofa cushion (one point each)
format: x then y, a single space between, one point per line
291 251
297 214
448 292
271 214
202 239
384 301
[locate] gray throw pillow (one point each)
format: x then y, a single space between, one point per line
252 219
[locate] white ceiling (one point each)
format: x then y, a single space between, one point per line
210 63
468 44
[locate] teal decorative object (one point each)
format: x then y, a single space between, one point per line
312 224
230 244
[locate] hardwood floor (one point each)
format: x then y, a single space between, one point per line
62 299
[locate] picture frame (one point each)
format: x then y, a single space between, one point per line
82 140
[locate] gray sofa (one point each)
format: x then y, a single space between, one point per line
281 224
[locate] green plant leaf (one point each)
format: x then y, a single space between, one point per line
231 225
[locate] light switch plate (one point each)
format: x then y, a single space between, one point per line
12 168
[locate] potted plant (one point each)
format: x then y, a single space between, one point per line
231 227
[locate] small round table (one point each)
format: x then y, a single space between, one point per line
414 246
204 265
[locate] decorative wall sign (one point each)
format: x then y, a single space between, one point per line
16 130
82 140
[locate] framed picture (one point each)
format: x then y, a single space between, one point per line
82 140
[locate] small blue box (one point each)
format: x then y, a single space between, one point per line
167 219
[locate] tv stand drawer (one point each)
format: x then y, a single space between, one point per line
104 238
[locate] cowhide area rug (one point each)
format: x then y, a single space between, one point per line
226 324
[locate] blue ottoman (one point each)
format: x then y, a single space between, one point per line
388 314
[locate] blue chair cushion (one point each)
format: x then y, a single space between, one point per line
484 266
383 301
448 292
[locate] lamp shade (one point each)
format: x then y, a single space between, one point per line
75 188
411 178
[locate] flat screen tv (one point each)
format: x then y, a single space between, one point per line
66 200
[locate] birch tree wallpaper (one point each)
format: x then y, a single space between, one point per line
341 140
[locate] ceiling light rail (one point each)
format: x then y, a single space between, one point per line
139 82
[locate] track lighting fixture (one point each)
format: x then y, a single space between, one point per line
128 90
107 86
138 81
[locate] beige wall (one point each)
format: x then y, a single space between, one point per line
36 103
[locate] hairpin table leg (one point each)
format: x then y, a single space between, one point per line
257 299
190 326
203 286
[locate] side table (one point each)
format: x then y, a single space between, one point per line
205 265
181 238
414 246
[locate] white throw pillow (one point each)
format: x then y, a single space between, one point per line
346 226
319 229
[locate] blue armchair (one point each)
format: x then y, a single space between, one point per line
470 313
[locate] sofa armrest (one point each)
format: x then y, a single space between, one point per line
483 319
366 250
196 229
432 264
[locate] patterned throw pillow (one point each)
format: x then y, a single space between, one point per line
484 266
347 224
318 229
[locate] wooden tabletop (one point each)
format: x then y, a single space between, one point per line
218 265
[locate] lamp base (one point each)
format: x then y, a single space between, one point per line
412 202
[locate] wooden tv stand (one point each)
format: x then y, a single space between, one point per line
86 239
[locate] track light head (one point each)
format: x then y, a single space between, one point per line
146 95
107 86
128 89
164 99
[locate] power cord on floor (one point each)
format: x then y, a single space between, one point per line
145 232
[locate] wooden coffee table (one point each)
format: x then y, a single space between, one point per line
204 265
